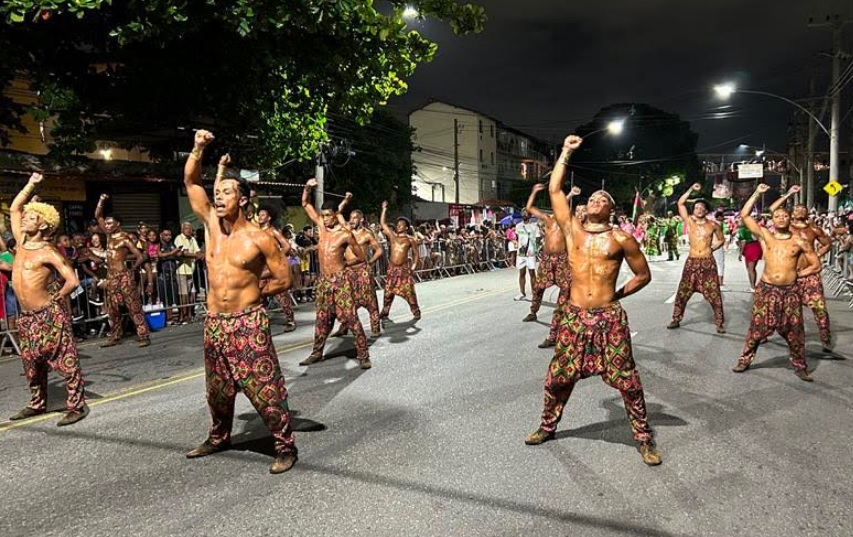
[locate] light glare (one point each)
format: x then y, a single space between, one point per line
724 91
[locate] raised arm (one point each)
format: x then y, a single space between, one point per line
383 223
16 210
99 212
277 266
537 188
308 206
746 211
341 206
199 202
682 203
559 201
784 198
636 262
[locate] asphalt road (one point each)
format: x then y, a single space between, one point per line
430 441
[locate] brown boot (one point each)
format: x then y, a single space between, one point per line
365 363
27 413
312 359
547 343
721 330
289 327
112 342
530 318
803 375
740 367
283 462
650 454
207 448
673 324
538 437
145 342
73 417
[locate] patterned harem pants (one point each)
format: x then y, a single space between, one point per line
335 300
47 343
553 270
121 289
239 354
776 308
400 282
699 276
364 292
595 341
811 295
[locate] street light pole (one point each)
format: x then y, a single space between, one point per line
835 113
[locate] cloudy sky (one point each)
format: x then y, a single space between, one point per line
546 66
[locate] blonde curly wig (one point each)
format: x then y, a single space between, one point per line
48 213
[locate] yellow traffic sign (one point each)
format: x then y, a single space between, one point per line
833 188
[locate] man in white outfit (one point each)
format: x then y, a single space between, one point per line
528 250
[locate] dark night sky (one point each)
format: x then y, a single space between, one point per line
547 66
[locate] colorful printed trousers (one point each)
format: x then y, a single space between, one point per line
699 276
776 308
811 295
286 304
400 282
239 354
335 300
595 341
121 289
364 293
47 343
553 270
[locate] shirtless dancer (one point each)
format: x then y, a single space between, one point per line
46 340
400 281
777 305
120 287
700 269
594 337
811 287
238 349
553 269
361 274
335 297
265 217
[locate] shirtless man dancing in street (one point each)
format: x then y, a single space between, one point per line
594 336
400 280
811 287
120 286
335 298
553 269
776 304
361 274
44 323
238 348
700 270
265 217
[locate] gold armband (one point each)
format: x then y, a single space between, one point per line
196 153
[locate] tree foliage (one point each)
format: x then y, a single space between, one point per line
653 146
264 75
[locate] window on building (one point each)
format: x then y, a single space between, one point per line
481 126
481 155
492 155
492 130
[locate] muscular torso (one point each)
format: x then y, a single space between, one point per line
117 252
555 242
594 259
234 267
331 247
701 234
31 274
780 258
363 238
400 246
810 235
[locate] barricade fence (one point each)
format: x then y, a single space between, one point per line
172 295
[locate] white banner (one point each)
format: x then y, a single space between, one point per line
750 171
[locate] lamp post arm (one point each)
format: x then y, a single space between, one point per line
789 101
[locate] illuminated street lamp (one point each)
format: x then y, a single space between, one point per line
724 91
410 13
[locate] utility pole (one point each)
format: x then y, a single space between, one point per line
456 157
810 153
836 24
319 173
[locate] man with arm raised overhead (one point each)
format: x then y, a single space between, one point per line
238 348
700 270
776 304
400 280
44 326
335 297
594 337
811 286
553 268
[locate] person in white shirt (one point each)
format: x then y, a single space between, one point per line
528 249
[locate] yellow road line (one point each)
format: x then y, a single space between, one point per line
197 373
